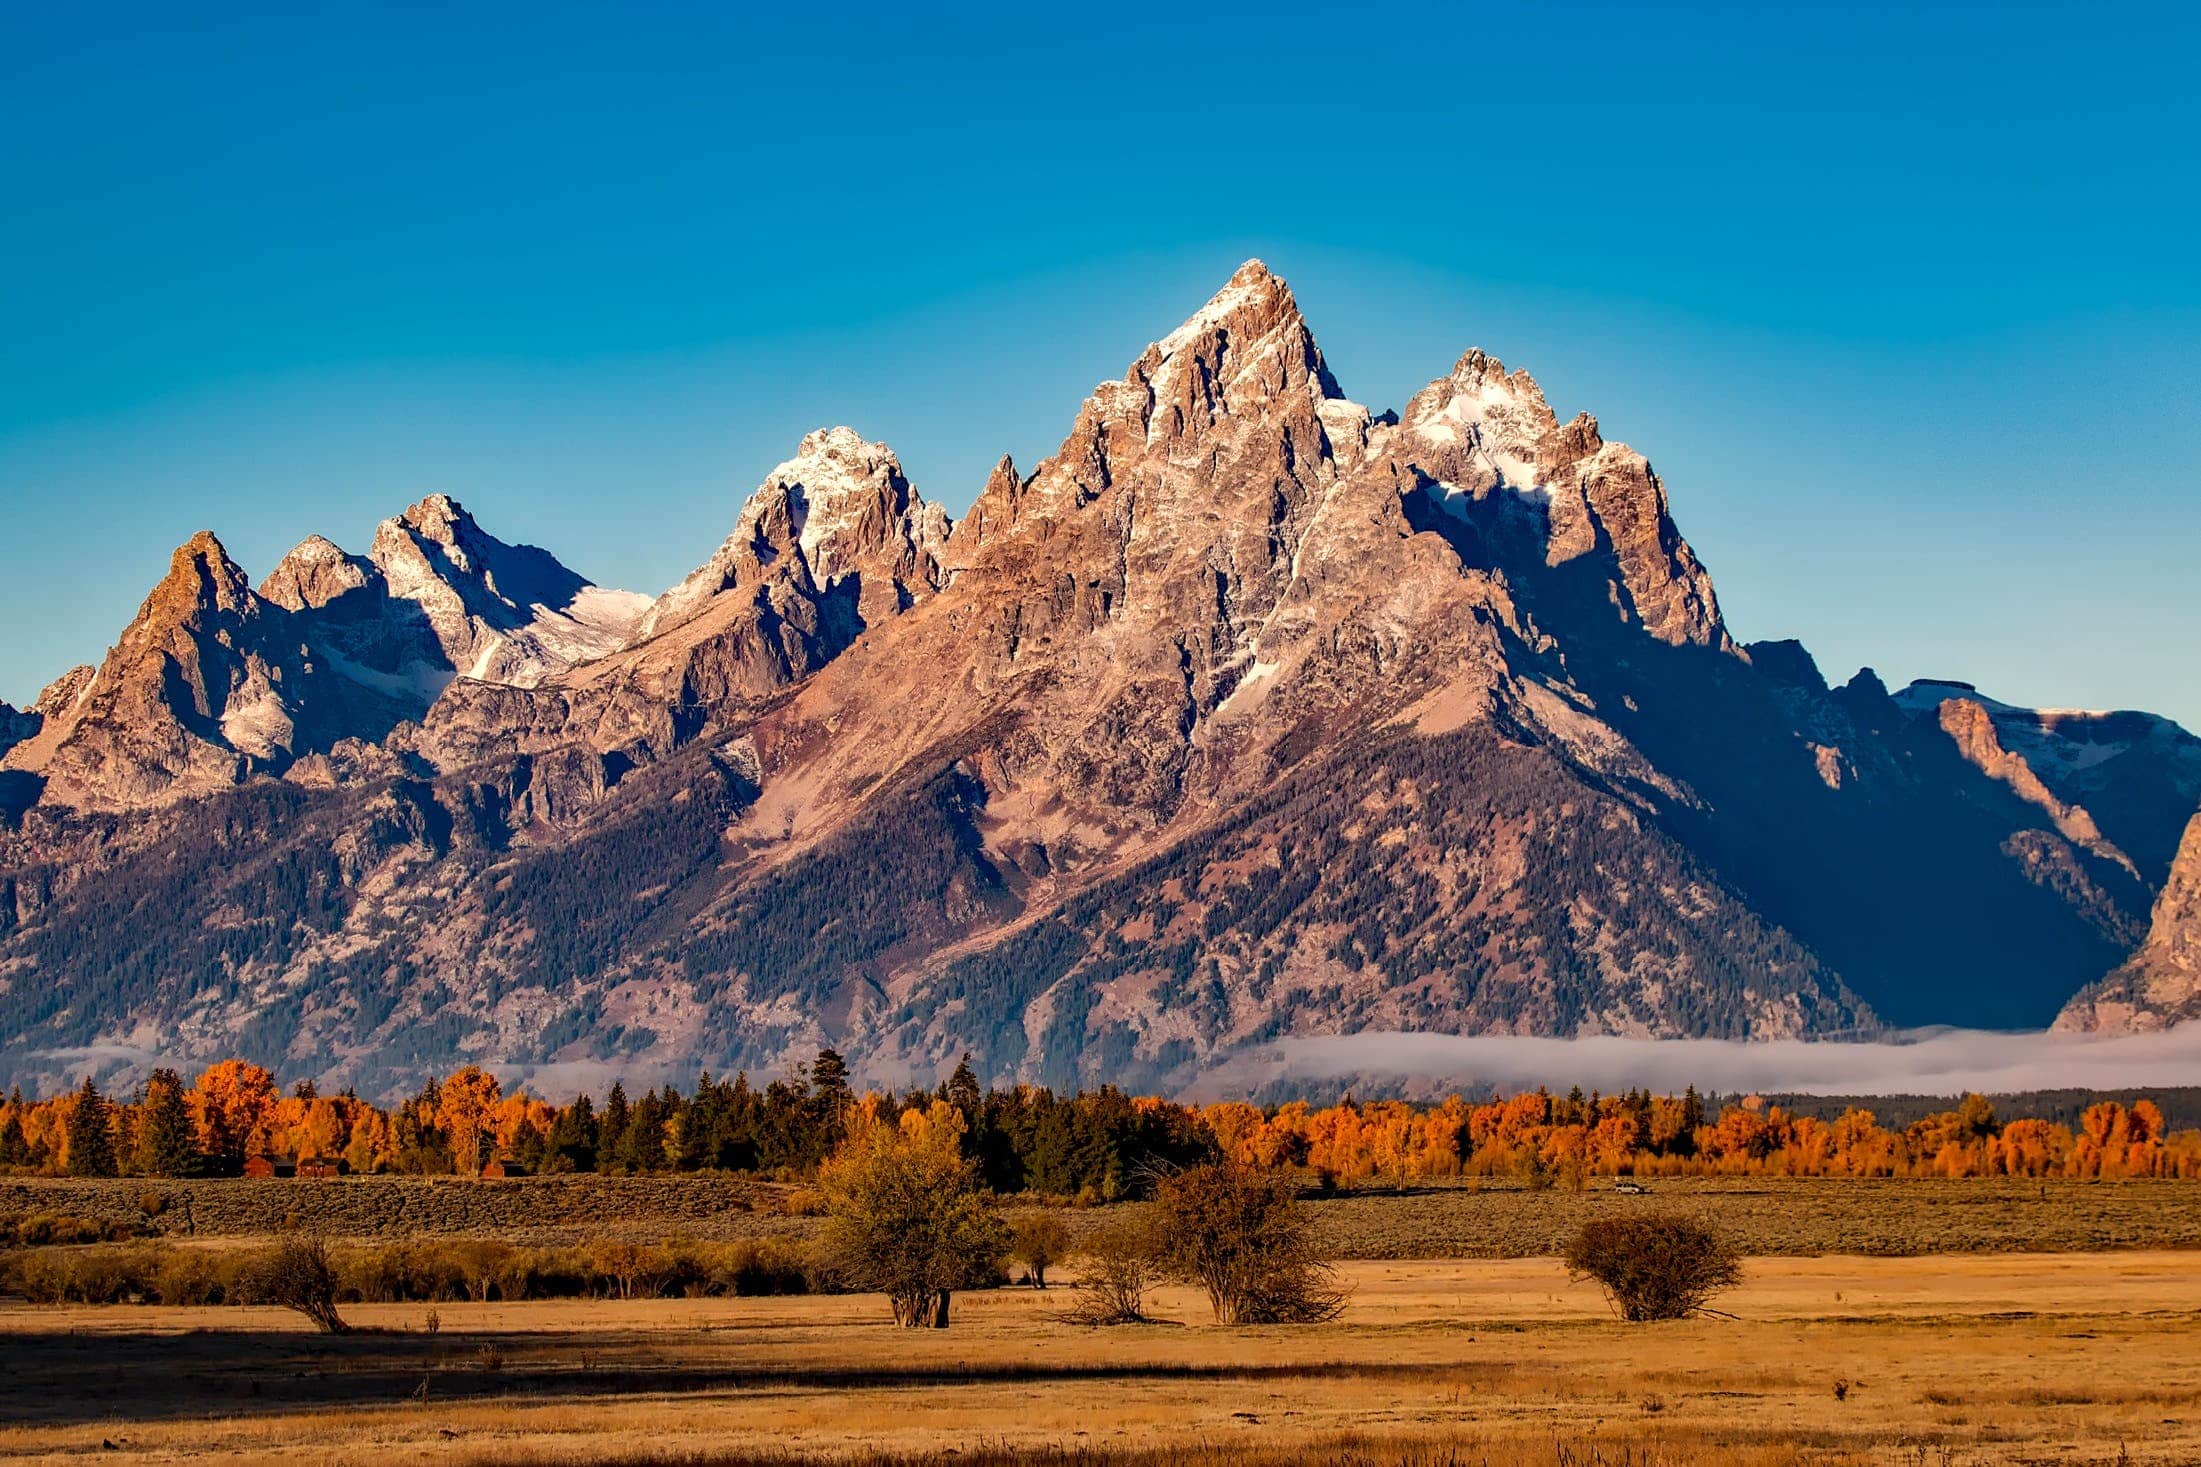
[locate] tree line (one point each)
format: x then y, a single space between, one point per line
1095 1146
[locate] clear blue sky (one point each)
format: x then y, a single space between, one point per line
1904 308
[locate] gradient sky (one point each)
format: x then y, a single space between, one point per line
1906 309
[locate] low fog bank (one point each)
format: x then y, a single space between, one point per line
1929 1062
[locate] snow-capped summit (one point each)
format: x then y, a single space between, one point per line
840 509
496 612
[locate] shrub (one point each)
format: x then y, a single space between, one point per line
1654 1265
1239 1234
1038 1242
297 1273
1118 1266
481 1265
193 1276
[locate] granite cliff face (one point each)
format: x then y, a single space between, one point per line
2161 984
1246 712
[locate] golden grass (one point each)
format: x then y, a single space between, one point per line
1969 1360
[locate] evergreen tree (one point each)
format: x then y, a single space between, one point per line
571 1145
642 1139
963 1092
168 1144
829 1077
15 1148
612 1129
91 1147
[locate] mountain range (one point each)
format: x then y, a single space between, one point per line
1247 713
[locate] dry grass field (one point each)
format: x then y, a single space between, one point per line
1762 1215
1973 1359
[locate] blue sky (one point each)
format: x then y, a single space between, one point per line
1904 307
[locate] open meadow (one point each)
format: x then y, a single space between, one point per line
1977 1359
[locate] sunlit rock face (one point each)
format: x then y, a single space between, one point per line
1247 712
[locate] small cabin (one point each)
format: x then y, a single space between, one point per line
322 1168
268 1166
497 1167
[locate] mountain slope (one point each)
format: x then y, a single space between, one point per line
2161 984
1246 712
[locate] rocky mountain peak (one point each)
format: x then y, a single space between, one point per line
845 500
440 518
316 572
496 612
1236 355
202 581
58 696
841 510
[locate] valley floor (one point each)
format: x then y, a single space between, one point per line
1972 1359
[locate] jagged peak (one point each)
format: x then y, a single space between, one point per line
315 572
1255 312
315 549
200 576
437 517
1253 290
59 695
842 505
835 458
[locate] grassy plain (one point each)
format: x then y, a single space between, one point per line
1943 1360
1761 1215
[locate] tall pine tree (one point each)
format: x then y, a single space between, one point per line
91 1147
168 1144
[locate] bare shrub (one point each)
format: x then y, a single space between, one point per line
1038 1242
297 1273
1241 1236
1117 1266
1654 1265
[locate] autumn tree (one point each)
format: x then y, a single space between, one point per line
91 1146
1241 1236
1654 1265
465 1105
905 1215
1038 1242
230 1104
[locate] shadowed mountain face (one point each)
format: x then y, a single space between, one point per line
1246 713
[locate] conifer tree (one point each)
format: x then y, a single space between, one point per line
168 1144
829 1077
963 1092
612 1128
91 1147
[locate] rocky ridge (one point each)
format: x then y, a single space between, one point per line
1247 712
2161 984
